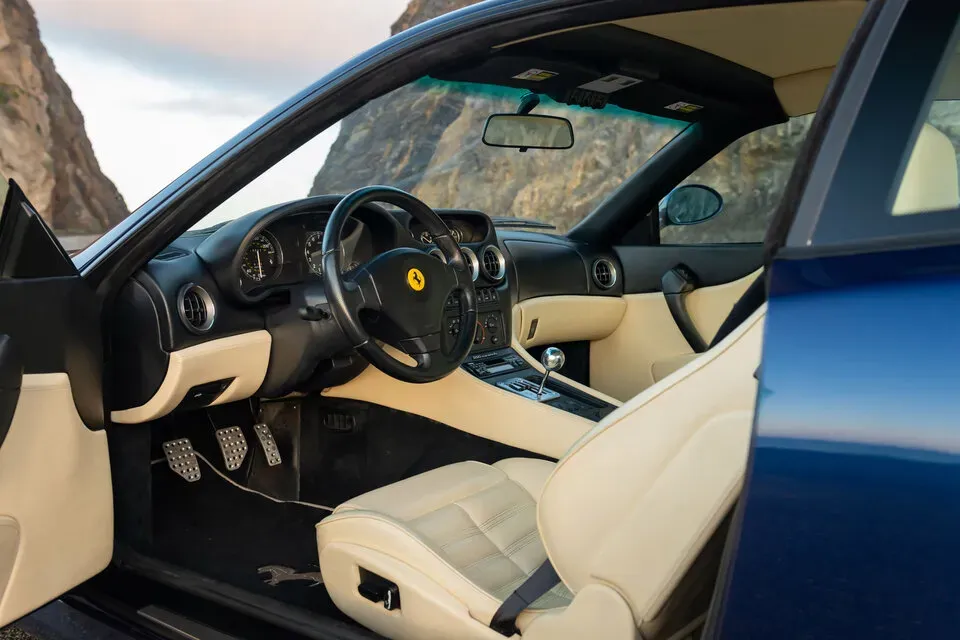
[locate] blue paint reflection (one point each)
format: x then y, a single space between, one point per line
851 525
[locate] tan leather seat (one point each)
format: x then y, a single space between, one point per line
622 517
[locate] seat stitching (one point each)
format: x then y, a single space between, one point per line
495 554
486 524
522 542
495 544
474 532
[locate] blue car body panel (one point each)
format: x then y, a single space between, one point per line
850 523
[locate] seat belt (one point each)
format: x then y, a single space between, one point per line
540 581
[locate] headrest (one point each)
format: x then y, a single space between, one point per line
930 182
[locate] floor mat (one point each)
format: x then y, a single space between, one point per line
225 533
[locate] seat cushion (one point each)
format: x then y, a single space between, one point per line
470 528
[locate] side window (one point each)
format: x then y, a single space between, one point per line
750 176
931 181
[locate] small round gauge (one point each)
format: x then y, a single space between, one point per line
426 237
261 260
313 251
457 235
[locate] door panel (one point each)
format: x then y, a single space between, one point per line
647 345
56 497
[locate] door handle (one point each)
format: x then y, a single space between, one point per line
676 285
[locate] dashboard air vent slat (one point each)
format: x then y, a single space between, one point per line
492 262
604 273
196 308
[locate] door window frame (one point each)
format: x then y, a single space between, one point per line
874 128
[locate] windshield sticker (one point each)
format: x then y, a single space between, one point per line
610 83
684 107
535 75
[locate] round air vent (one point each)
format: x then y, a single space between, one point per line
604 273
436 253
492 263
196 308
472 262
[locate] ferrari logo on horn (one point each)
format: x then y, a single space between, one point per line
416 280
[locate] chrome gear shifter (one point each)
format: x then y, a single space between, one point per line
552 360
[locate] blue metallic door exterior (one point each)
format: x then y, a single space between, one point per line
852 521
849 525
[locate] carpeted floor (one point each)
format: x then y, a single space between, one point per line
226 533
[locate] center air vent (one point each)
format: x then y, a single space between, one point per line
196 308
604 273
492 263
472 262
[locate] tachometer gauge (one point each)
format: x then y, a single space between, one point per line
313 252
261 260
457 235
425 237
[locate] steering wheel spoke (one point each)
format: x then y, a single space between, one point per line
360 291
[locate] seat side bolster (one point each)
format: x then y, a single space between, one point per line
381 533
529 473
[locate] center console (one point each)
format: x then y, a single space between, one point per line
505 368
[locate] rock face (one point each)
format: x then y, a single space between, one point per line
424 138
43 144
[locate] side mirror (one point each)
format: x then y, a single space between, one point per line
689 204
527 132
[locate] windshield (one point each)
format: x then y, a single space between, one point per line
425 138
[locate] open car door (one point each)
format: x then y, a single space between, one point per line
56 501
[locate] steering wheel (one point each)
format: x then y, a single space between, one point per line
407 287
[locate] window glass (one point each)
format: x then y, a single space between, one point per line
750 175
930 178
425 138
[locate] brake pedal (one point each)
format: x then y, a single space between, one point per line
182 459
269 445
233 446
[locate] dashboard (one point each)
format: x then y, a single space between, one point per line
213 291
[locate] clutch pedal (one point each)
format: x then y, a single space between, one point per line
268 444
233 446
182 459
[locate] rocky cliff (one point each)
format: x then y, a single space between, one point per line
43 144
425 138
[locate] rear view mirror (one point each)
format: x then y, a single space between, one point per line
689 204
527 132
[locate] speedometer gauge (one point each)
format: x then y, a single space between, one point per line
313 251
261 260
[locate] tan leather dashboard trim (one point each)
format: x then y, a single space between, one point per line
242 357
567 319
56 498
471 405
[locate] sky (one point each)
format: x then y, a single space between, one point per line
161 83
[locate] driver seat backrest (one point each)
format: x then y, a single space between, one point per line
627 515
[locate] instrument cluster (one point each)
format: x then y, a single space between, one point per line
291 250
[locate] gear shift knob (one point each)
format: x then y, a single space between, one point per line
552 360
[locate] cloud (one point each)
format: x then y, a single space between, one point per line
273 47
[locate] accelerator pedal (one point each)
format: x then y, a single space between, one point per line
182 459
268 444
233 446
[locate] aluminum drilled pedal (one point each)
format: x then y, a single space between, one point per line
233 446
268 443
182 459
